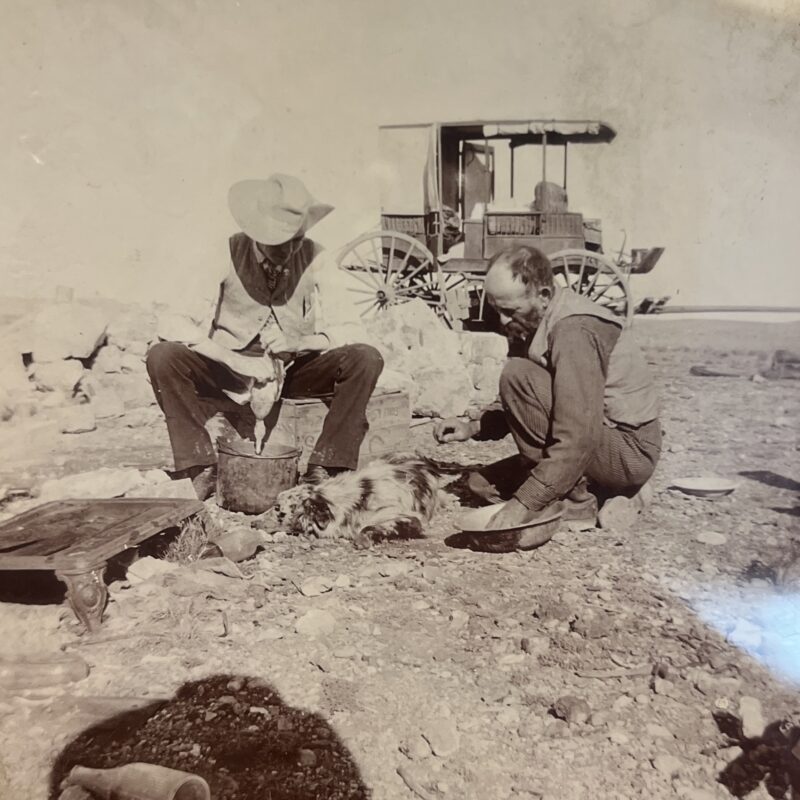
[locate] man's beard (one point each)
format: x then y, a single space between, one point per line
523 328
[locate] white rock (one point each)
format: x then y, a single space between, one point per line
175 327
130 362
478 345
107 404
442 735
443 392
752 717
183 488
65 330
77 419
13 374
343 582
148 567
712 538
315 586
58 376
134 389
135 324
108 359
315 623
667 765
103 482
396 567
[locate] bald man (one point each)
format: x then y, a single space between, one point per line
578 399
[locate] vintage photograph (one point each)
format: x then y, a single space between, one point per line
399 400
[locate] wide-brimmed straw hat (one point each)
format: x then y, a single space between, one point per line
274 210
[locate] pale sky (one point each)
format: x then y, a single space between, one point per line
129 120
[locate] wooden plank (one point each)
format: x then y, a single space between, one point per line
141 518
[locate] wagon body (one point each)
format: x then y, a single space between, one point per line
434 173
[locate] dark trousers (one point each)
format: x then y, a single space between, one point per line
622 462
182 378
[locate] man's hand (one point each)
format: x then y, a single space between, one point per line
261 368
454 430
275 341
511 514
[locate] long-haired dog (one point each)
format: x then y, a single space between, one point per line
389 497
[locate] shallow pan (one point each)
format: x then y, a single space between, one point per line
705 486
475 536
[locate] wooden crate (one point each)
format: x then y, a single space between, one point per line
298 423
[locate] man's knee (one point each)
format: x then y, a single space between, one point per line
164 356
363 359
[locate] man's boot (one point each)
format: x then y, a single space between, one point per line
580 507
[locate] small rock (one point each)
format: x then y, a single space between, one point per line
183 488
77 419
58 376
712 538
315 586
416 748
396 567
752 716
104 482
316 622
343 582
695 793
658 731
442 735
667 765
307 758
534 645
108 359
458 618
107 404
573 710
618 736
593 626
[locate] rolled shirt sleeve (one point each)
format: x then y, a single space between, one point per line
579 353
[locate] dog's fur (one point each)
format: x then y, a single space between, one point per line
388 497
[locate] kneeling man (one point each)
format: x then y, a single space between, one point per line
278 295
576 395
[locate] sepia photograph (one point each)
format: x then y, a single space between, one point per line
399 400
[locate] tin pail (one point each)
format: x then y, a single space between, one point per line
250 483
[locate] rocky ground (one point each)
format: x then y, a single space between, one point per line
656 663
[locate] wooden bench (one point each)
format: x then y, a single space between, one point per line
75 539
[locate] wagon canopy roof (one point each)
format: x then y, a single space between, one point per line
521 132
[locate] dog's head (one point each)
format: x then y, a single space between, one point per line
303 509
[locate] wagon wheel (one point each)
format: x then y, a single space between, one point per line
596 277
390 268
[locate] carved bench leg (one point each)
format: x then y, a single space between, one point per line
87 595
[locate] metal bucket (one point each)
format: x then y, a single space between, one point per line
250 483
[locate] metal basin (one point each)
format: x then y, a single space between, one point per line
475 536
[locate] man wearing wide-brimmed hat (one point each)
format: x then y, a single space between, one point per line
269 304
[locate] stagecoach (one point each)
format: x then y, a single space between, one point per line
442 221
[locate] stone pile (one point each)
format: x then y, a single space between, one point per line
87 358
84 358
444 372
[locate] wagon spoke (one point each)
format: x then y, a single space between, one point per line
580 274
416 272
390 261
369 283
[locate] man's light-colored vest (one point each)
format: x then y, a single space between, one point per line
246 302
630 394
